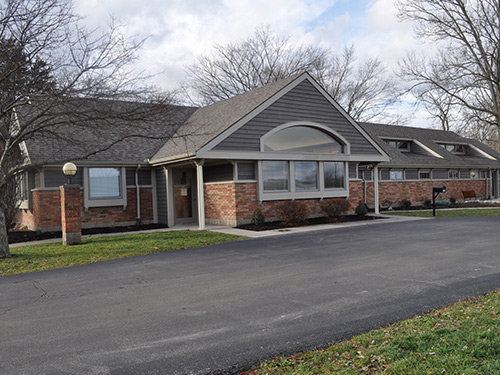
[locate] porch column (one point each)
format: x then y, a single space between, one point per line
201 194
169 180
375 188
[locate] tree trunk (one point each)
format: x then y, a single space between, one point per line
4 243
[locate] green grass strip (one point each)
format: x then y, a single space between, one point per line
463 338
97 249
469 212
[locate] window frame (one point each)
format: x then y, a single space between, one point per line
293 192
105 201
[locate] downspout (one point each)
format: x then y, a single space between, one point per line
375 189
138 192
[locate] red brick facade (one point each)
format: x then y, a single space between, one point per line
234 203
46 212
417 192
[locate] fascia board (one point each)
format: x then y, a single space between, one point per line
435 166
238 124
484 153
242 155
172 159
432 152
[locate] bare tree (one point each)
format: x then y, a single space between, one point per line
364 89
465 71
60 83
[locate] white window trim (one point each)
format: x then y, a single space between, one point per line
332 133
24 204
105 202
302 194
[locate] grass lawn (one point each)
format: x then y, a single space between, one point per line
467 212
462 338
55 255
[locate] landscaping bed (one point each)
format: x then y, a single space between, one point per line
314 221
16 236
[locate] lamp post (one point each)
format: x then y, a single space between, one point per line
69 170
71 203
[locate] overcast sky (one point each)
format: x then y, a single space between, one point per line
181 30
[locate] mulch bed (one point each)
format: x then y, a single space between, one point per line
315 221
16 236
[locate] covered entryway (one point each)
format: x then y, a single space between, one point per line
185 202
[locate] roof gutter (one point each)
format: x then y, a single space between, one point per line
172 159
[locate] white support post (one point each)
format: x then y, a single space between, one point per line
201 194
375 189
169 181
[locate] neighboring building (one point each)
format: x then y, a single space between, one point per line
287 140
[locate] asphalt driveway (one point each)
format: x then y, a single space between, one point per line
225 307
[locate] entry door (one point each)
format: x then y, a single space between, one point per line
185 196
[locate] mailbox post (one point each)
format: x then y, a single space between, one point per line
436 190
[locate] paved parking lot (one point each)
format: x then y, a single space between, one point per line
227 306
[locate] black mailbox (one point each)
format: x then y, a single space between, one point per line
435 192
439 189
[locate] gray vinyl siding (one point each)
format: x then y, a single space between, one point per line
55 178
218 173
161 196
412 174
246 171
439 174
385 174
353 171
37 179
302 103
464 173
144 177
365 174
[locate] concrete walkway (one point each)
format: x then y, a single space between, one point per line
248 233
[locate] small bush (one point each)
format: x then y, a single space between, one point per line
453 200
387 204
258 217
406 204
361 209
334 209
293 212
427 203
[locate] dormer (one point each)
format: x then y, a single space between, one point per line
410 146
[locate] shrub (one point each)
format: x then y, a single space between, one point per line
387 204
334 209
453 200
406 204
258 217
361 209
293 212
427 203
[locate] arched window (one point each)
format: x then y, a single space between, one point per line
302 139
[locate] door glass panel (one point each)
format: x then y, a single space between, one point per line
183 197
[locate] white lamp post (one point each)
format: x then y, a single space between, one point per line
69 170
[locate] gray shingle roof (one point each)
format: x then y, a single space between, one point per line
120 132
208 122
429 138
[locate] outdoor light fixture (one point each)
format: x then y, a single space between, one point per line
436 190
69 170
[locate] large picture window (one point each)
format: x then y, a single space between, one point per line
306 175
275 175
303 179
104 183
334 175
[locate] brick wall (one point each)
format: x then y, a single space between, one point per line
418 192
220 203
46 214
